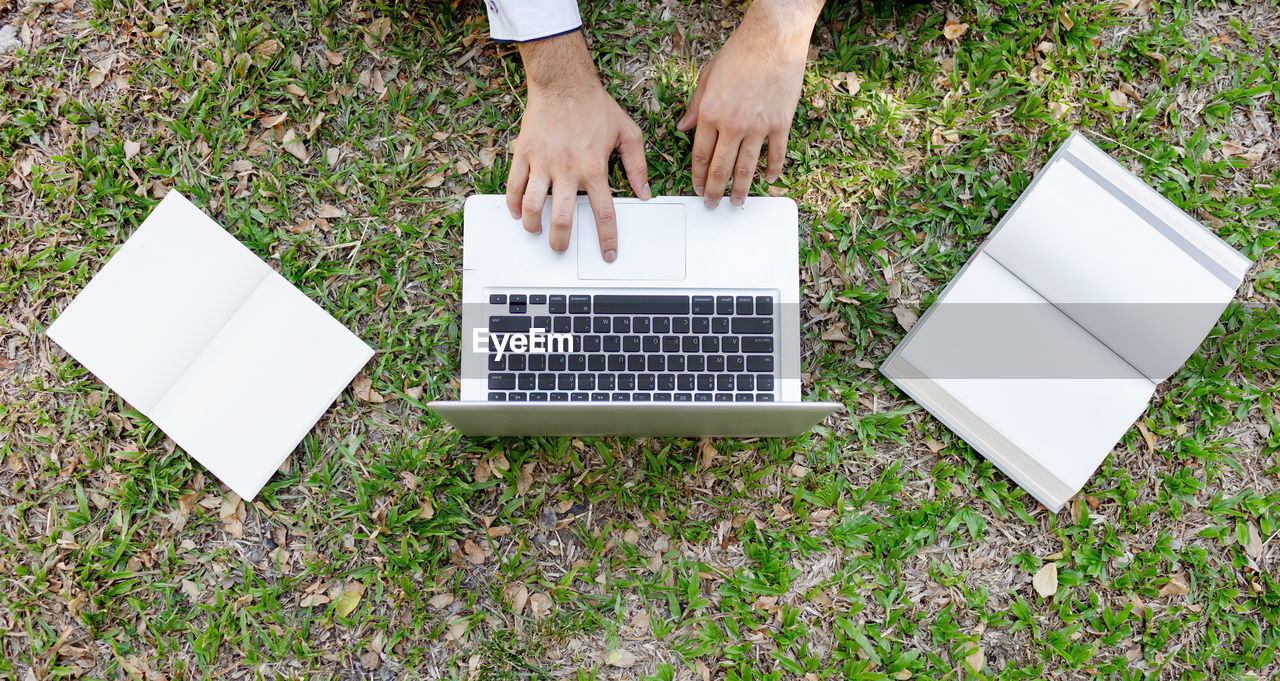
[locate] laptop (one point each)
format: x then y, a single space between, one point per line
694 330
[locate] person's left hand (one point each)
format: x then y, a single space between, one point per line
747 95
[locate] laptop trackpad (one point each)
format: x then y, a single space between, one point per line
651 243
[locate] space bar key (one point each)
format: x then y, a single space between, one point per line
640 304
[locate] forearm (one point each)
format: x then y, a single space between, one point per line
559 64
789 23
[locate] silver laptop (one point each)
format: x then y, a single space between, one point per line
693 330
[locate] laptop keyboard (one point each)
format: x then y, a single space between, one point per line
632 348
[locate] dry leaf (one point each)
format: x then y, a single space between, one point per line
620 658
707 453
953 30
475 554
269 122
539 605
333 58
441 601
1045 580
934 446
836 334
482 472
294 146
1177 585
524 480
976 659
1147 436
293 89
131 149
1119 99
331 156
516 596
347 602
852 82
906 316
1063 17
1058 109
1254 547
330 211
364 391
313 600
267 48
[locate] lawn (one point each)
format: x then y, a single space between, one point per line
337 140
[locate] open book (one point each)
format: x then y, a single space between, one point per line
219 351
1048 345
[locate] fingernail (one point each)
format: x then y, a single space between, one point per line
644 192
770 178
514 215
698 190
610 256
712 204
736 201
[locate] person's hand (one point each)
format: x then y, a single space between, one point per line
747 95
569 129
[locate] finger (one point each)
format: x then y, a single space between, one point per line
704 145
606 225
777 155
531 206
748 157
631 147
563 194
721 169
517 179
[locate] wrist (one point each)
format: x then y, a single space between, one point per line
784 25
558 65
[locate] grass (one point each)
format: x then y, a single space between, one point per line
878 546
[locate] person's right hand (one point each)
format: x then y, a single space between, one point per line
569 129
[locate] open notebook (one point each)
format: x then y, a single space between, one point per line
1048 345
219 351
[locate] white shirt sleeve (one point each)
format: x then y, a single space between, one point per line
523 20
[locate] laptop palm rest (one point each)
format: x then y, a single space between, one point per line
651 243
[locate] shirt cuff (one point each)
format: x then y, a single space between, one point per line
525 20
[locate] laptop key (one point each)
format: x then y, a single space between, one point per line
715 363
670 343
720 325
542 322
760 363
595 362
601 325
626 381
562 324
497 397
579 304
744 382
675 362
752 325
729 344
602 381
662 397
635 362
611 344
502 381
621 397
704 305
622 325
710 344
591 343
764 397
701 325
656 363
680 325
666 382
617 362
566 382
599 397
646 382
662 325
652 344
641 304
496 364
497 299
557 304
764 382
559 397
684 382
702 397
517 308
640 397
537 362
757 344
538 299
743 397
546 381
556 363
706 382
577 362
526 381
764 305
733 363
509 324
744 305
689 344
588 382
724 304
517 362
684 397
724 382
631 344
582 324
724 397
579 397
517 397
695 363
640 324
